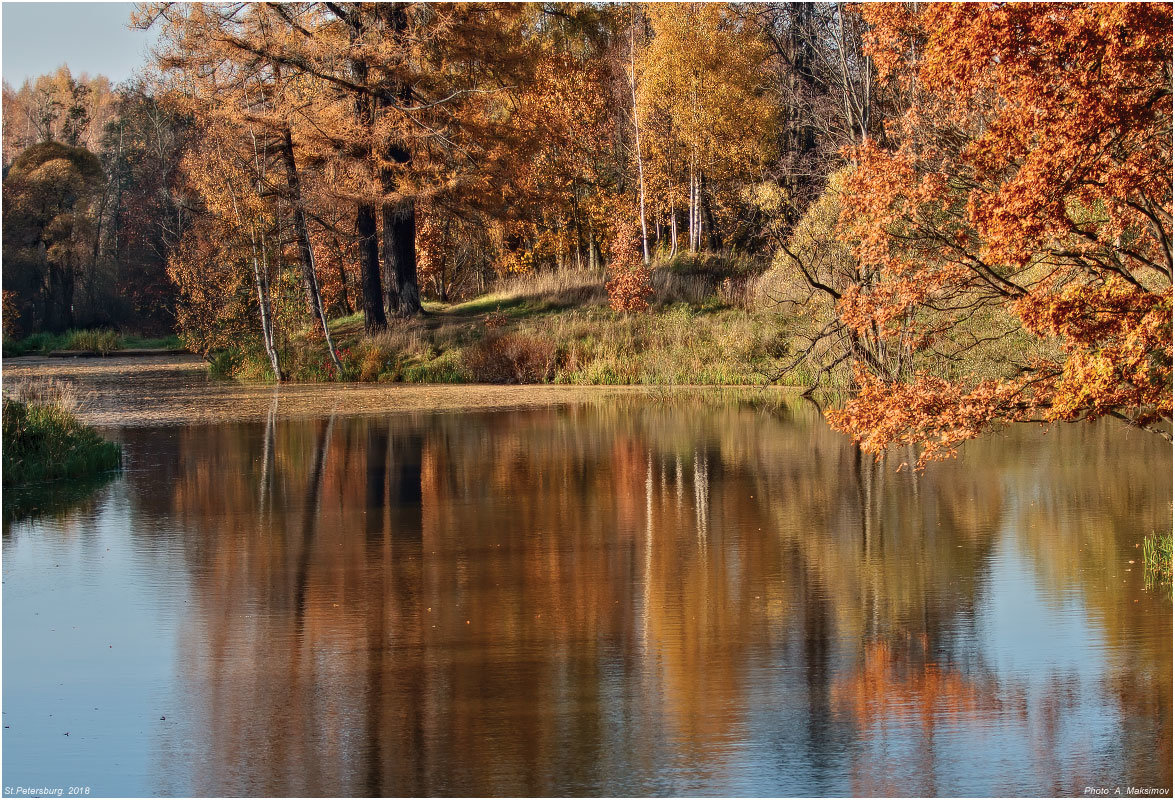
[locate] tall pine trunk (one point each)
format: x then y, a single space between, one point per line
399 217
374 318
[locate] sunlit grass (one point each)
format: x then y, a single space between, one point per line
1156 559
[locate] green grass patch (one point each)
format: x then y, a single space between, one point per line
349 321
132 341
96 340
35 343
513 305
1156 560
99 341
44 442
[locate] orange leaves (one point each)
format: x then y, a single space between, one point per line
1033 105
1117 339
927 411
1030 180
629 288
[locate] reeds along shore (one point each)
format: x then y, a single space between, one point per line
45 441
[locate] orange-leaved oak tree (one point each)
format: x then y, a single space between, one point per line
1024 199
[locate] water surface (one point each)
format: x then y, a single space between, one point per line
602 594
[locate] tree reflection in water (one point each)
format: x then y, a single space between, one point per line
637 598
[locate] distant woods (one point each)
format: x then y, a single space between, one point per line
92 204
359 157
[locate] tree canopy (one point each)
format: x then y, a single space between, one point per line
961 213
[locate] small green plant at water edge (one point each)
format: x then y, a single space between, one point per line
45 442
1156 559
224 363
99 341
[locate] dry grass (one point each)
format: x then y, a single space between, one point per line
572 286
513 358
672 346
558 327
60 394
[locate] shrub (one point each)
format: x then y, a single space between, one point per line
512 358
46 442
224 363
630 286
445 368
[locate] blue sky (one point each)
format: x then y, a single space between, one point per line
90 37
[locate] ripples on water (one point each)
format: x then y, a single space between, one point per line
617 596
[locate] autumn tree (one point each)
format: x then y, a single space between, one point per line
49 192
547 192
826 95
1026 193
223 73
141 213
702 99
57 107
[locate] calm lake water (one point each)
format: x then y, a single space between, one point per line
616 595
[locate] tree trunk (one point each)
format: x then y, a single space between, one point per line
694 222
399 231
260 267
715 242
399 218
59 298
640 162
672 232
344 295
261 279
305 249
578 231
374 319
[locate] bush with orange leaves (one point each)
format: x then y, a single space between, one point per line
630 285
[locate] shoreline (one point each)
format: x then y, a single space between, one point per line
176 390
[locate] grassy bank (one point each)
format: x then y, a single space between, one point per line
553 328
44 441
97 341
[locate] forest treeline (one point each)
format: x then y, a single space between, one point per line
962 212
408 148
93 204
